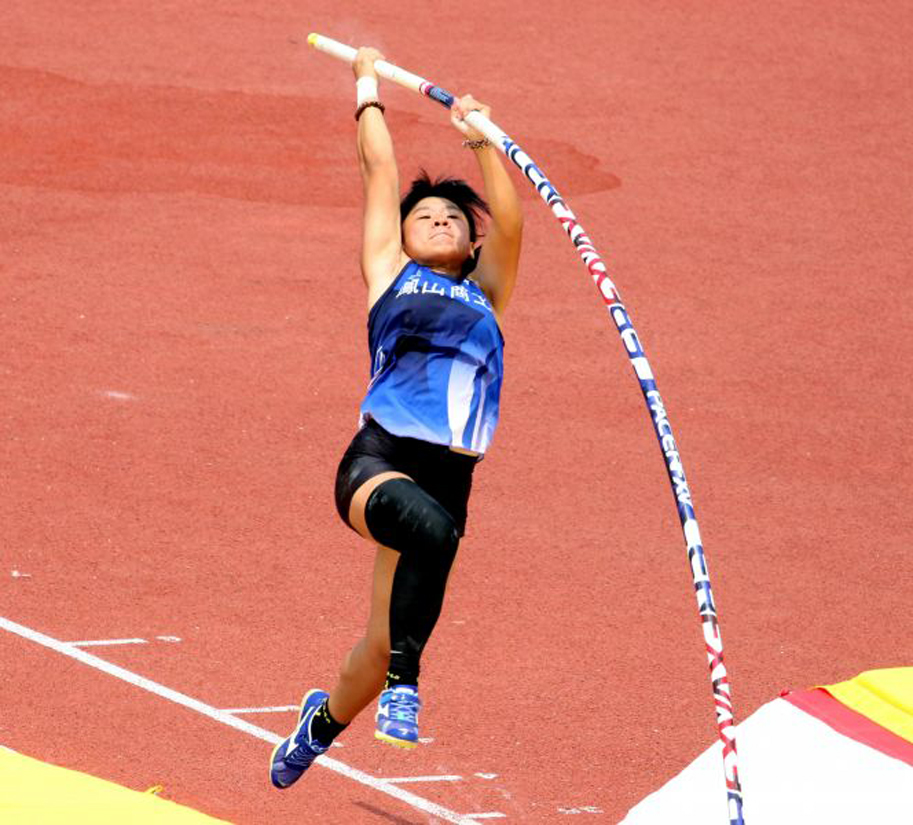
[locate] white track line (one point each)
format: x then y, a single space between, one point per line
277 709
101 642
396 780
67 649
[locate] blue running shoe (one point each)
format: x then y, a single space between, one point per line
397 716
293 755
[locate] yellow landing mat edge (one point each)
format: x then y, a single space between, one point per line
885 696
37 793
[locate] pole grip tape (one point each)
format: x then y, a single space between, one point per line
384 69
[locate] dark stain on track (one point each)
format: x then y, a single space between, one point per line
571 171
117 138
145 139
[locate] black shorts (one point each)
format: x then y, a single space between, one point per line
442 473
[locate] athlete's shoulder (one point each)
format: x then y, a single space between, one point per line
407 269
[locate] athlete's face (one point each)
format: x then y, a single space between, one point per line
436 234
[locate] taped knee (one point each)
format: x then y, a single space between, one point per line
401 515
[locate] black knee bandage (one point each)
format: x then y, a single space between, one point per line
402 516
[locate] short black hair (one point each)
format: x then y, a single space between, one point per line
453 189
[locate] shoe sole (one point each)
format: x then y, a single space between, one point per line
392 740
272 758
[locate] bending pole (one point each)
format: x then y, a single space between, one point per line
661 426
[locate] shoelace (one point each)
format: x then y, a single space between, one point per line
305 750
301 756
404 707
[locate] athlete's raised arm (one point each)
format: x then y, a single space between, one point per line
382 237
499 258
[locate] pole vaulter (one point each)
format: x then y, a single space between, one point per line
661 426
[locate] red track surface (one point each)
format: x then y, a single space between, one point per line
179 216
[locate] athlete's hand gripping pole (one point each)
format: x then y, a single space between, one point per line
661 426
411 81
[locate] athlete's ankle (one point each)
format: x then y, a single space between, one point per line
400 677
324 726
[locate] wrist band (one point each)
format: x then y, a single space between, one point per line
365 89
477 144
367 105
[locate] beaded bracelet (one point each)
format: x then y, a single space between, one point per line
367 105
477 144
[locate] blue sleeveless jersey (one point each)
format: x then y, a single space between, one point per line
437 360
